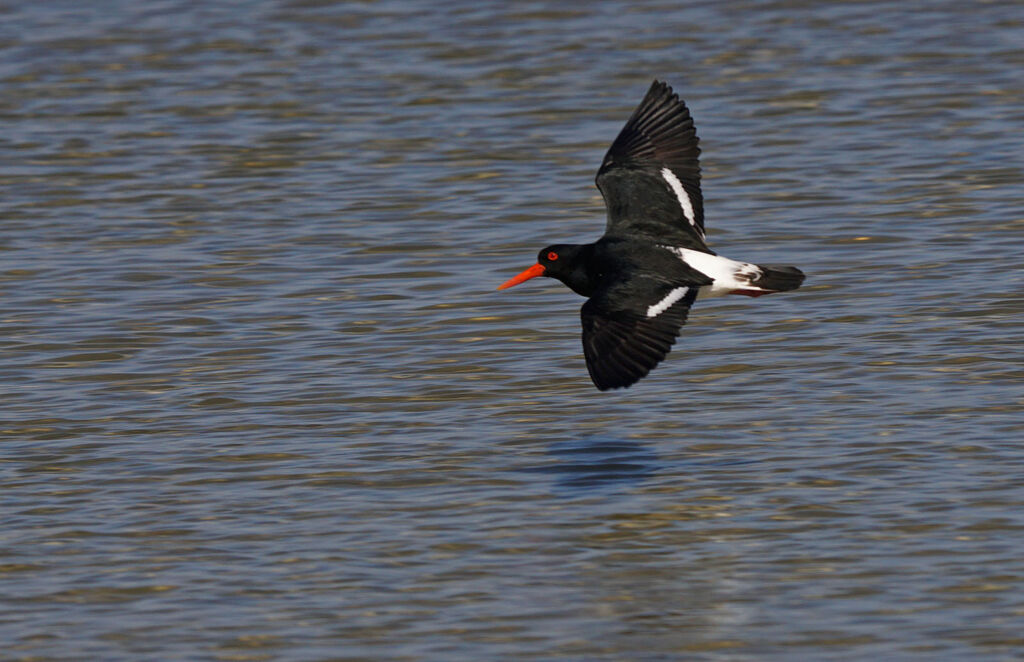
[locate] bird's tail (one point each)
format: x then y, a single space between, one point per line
769 280
778 279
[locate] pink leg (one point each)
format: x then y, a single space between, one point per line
751 293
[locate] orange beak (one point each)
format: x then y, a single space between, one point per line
532 272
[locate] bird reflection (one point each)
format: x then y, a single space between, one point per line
598 464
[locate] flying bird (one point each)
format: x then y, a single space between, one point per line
652 263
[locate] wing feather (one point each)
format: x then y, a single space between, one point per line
639 198
622 345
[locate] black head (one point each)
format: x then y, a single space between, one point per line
554 258
566 262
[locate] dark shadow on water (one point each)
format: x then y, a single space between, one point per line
598 464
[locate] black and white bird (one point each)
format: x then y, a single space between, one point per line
652 263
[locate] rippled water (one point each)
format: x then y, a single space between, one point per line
261 400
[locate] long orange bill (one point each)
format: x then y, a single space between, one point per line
532 272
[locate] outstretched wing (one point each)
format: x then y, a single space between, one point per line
650 177
623 342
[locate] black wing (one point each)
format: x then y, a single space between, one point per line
624 337
650 177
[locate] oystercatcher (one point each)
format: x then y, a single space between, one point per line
652 263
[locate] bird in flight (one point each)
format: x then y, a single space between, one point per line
652 263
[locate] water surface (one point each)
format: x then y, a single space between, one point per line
261 400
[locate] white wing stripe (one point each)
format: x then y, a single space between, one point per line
666 303
682 196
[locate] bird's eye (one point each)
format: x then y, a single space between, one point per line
552 256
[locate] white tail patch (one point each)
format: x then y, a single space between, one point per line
666 303
683 197
726 275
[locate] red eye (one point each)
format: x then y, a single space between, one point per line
552 256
